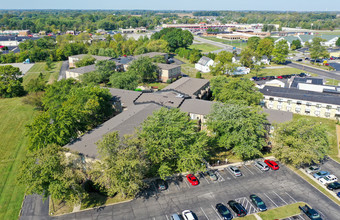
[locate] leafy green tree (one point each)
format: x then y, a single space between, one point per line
36 85
317 50
147 70
296 44
253 42
265 47
48 64
280 51
223 64
337 43
198 75
158 46
238 128
172 143
300 142
235 90
158 59
124 80
195 55
47 172
105 68
10 82
85 61
176 38
122 166
257 68
247 55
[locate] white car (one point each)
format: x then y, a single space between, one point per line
187 215
328 179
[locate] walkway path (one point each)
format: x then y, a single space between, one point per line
337 138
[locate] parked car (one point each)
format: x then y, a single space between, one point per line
299 60
311 213
212 175
312 169
192 179
302 74
257 201
176 217
237 208
234 170
338 194
264 78
161 184
188 215
261 165
271 77
280 77
272 164
333 186
328 179
320 174
223 211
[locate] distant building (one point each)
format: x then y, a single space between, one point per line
20 33
75 73
73 59
276 83
240 71
330 40
204 64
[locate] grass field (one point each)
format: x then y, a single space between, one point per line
14 115
49 76
274 72
204 48
332 82
282 212
235 43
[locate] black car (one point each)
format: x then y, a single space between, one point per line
237 208
302 74
333 186
299 60
161 184
257 201
271 77
224 211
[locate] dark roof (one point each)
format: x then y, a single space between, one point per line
84 69
94 56
123 60
126 97
162 98
164 66
276 116
196 106
125 123
151 55
308 80
204 60
188 86
293 93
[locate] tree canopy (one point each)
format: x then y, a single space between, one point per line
265 47
124 80
280 51
235 90
176 38
300 142
145 68
317 50
296 44
223 64
10 82
238 128
85 61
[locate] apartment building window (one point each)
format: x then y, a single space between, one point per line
280 100
270 105
338 109
298 109
327 114
307 111
298 102
328 107
289 102
309 104
279 106
317 113
271 99
318 105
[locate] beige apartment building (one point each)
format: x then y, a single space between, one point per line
318 104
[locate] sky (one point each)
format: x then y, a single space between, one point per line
275 5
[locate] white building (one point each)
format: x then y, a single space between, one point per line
204 64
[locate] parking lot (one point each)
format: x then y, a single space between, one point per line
275 188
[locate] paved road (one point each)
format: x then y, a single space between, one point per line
224 47
323 73
276 188
34 208
62 73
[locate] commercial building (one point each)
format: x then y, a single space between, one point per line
20 33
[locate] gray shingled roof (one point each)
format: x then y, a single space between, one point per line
84 69
301 95
94 56
151 54
166 99
197 106
276 116
188 86
204 60
127 97
164 66
125 123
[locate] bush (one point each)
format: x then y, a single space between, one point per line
168 81
199 75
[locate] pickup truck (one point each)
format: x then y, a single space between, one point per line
310 213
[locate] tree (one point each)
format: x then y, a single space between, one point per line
124 80
105 68
317 50
47 172
296 44
235 90
280 51
176 38
158 59
257 68
195 56
265 47
36 85
158 46
10 82
172 143
198 75
253 42
247 55
224 64
122 166
145 68
85 61
300 142
238 128
337 43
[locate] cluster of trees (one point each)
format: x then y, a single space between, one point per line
175 37
10 82
192 55
69 109
85 61
223 64
268 27
316 50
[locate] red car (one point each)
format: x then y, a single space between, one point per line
192 179
280 77
272 164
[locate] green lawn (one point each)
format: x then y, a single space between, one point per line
49 76
235 43
14 115
204 48
282 212
274 72
332 82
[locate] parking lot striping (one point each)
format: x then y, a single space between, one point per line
186 182
205 178
248 169
216 212
271 200
166 217
230 173
219 177
204 213
291 197
280 198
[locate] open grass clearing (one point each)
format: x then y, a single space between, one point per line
205 47
49 76
332 82
282 212
14 115
235 43
274 72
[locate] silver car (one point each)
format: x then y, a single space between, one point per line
234 170
312 169
261 165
